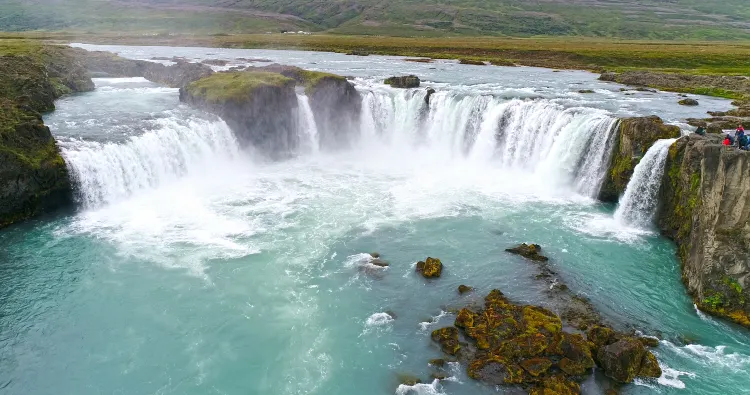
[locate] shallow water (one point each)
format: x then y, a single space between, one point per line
192 267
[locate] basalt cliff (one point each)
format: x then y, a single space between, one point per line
33 175
705 200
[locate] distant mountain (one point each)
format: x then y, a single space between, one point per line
658 19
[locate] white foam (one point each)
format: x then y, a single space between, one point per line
433 388
712 356
425 325
379 319
671 377
123 80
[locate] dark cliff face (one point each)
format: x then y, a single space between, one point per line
705 209
33 175
336 105
634 137
260 108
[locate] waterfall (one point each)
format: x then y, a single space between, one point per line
107 172
308 129
638 205
565 146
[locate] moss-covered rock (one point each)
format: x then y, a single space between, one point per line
406 81
688 102
471 62
634 136
526 345
430 267
462 289
529 251
448 340
33 175
627 359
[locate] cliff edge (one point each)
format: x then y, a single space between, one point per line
634 137
33 175
705 209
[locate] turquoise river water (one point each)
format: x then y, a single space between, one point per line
191 266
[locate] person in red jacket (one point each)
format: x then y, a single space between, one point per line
727 141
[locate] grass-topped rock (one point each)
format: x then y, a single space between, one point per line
529 251
634 136
258 106
33 175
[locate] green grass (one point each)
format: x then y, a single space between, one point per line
237 86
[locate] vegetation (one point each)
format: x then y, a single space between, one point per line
645 19
237 86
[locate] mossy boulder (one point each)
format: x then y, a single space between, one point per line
627 359
430 267
529 251
462 289
688 102
556 385
634 136
407 81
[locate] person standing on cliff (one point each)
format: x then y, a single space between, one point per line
739 134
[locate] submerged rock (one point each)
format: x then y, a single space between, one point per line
585 91
430 268
529 251
462 289
407 81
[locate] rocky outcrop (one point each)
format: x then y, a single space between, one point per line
334 101
405 81
33 175
529 251
634 137
243 100
177 75
510 344
705 200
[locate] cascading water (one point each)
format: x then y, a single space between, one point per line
638 205
568 147
307 125
107 172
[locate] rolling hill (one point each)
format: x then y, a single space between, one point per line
630 19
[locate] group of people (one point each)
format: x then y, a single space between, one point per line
740 139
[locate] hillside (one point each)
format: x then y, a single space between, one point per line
634 19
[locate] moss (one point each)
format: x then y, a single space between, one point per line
312 79
448 340
430 268
234 86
